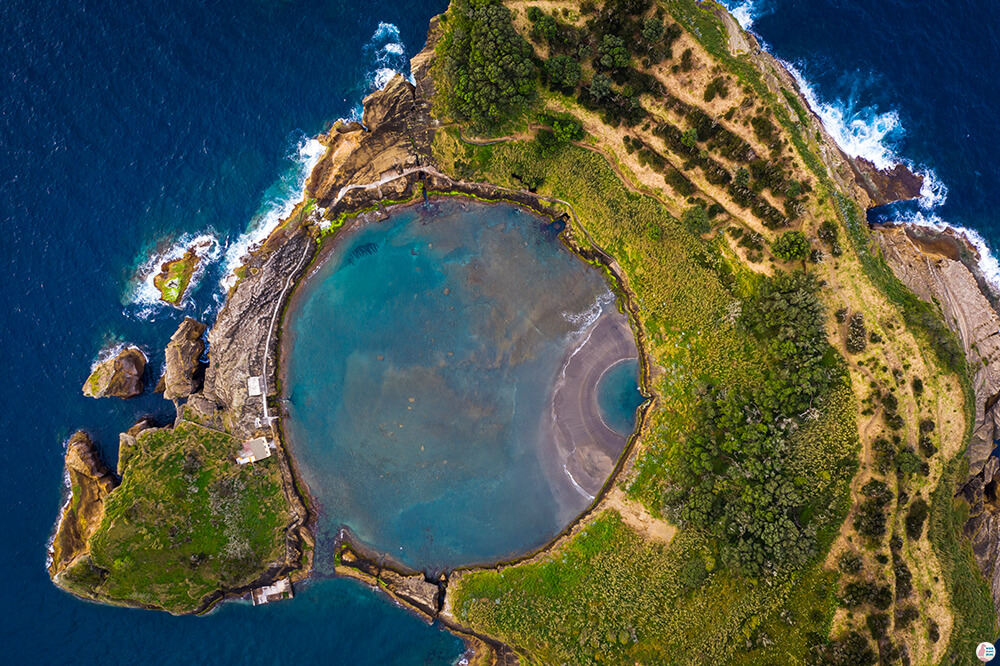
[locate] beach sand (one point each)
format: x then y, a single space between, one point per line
582 450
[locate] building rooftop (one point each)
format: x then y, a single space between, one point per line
254 450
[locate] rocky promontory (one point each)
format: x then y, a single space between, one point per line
90 484
119 376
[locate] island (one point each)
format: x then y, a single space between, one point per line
811 476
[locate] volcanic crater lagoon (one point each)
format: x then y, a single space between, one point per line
441 383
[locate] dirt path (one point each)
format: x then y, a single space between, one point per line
638 518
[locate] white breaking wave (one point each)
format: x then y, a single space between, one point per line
141 291
584 320
279 202
866 134
859 133
388 56
746 11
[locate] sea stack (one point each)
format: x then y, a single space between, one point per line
119 376
184 375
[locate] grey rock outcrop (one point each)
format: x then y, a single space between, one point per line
184 374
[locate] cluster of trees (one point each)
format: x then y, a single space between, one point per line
869 519
733 475
791 246
488 64
857 338
829 233
565 129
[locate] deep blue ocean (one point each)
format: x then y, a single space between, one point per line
129 128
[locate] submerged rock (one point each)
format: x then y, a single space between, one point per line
184 374
120 376
90 483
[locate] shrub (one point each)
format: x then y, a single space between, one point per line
652 30
600 86
904 578
885 454
869 520
859 593
611 53
927 448
694 573
687 60
850 563
878 624
716 88
856 334
915 518
696 220
791 246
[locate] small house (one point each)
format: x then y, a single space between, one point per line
254 450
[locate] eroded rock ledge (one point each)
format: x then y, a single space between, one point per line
90 483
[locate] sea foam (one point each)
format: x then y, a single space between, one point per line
387 57
868 133
746 11
279 201
141 295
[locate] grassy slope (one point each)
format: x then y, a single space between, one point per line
577 604
186 522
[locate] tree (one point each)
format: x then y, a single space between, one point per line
652 30
791 246
696 220
487 62
612 54
545 28
600 86
563 71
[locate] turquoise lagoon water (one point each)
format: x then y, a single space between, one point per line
618 396
421 359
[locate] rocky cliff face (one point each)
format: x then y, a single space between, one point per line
90 483
883 187
120 376
931 265
184 373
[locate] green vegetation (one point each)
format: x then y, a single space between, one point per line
174 277
487 65
682 284
791 246
970 595
754 439
186 523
